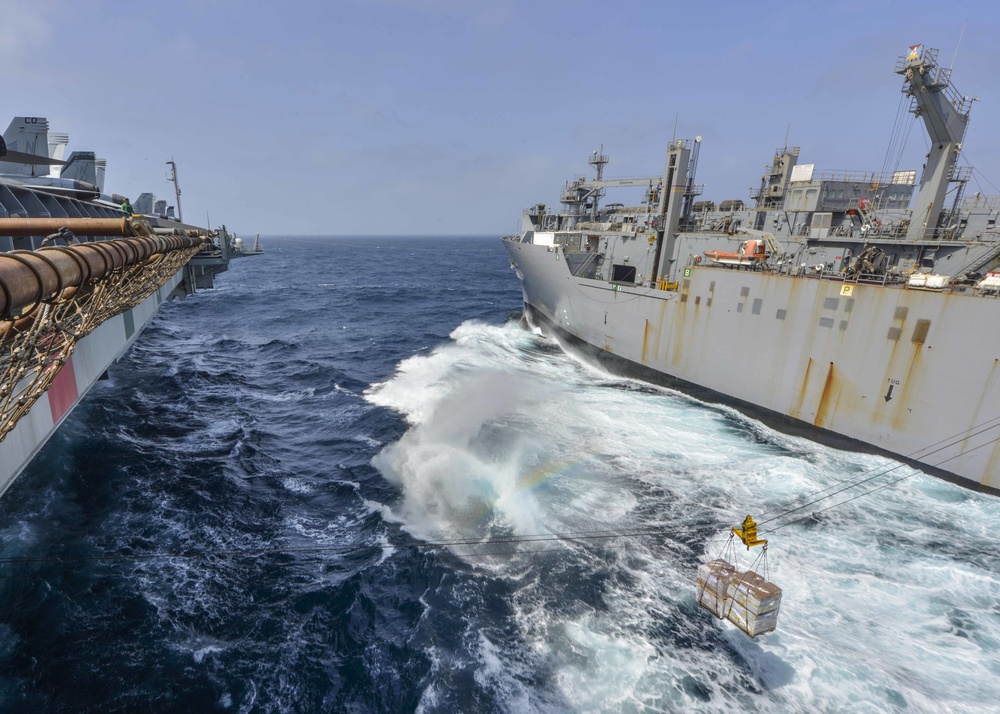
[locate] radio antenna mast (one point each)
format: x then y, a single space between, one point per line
177 187
960 36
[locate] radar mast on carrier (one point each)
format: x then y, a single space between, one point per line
177 188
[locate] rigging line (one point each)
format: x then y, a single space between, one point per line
893 136
876 471
978 185
257 552
983 177
898 134
953 440
829 492
581 536
898 150
470 555
878 488
968 451
972 172
877 475
566 537
829 495
461 554
873 490
906 141
901 131
570 535
959 44
528 538
841 503
538 551
885 469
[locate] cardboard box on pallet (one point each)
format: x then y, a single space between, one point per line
711 602
715 575
750 623
753 592
753 603
713 586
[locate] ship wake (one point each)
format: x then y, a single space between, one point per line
546 469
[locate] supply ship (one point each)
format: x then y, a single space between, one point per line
858 308
81 274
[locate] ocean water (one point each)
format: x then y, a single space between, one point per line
348 480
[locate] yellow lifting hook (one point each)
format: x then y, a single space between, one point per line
748 533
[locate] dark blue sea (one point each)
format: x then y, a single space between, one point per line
349 480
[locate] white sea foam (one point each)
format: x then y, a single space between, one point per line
297 395
296 485
890 601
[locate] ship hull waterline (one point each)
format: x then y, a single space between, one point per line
786 350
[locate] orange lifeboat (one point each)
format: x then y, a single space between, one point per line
750 253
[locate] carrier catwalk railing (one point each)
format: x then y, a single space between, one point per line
53 297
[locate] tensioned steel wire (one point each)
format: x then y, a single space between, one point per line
895 139
654 532
872 474
198 554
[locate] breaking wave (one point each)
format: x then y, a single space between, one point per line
881 610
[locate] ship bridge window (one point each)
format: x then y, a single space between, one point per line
623 274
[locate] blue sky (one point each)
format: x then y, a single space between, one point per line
449 117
